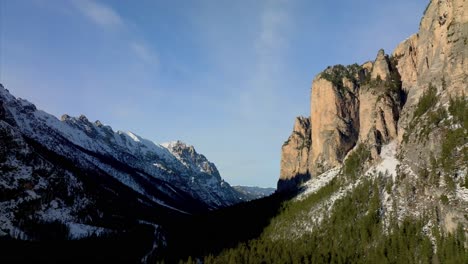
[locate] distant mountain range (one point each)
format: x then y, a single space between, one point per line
252 193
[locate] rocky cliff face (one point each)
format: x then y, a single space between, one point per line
334 116
295 155
433 61
349 105
380 101
436 55
374 103
441 45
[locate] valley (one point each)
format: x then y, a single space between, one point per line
376 174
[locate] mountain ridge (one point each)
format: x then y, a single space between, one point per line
174 176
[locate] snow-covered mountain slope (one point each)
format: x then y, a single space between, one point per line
63 166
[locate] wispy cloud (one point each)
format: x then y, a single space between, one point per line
107 18
271 37
100 14
269 46
144 52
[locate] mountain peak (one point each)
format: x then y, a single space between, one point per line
176 144
65 117
4 93
98 123
381 67
83 118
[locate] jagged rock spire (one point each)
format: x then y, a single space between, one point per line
381 67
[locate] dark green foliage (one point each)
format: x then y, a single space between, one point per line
356 216
389 185
352 233
41 230
453 134
451 248
444 199
407 134
305 140
450 183
353 164
452 139
291 209
427 101
393 82
204 234
424 173
123 247
434 175
458 108
435 117
336 74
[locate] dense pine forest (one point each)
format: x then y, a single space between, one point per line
352 233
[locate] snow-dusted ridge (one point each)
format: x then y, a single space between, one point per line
316 183
307 221
172 175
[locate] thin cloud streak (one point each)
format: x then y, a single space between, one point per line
144 53
270 46
108 19
99 14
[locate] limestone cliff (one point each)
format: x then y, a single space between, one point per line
295 155
375 103
436 55
380 68
349 105
334 116
380 102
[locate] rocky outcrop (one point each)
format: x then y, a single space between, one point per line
381 69
295 155
380 102
442 45
197 163
334 117
349 105
374 103
436 55
406 53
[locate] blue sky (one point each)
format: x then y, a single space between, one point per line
228 77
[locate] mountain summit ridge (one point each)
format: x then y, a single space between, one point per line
173 176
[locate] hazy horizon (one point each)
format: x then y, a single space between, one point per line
228 77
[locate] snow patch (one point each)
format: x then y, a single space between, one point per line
462 193
78 231
133 136
316 183
389 162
